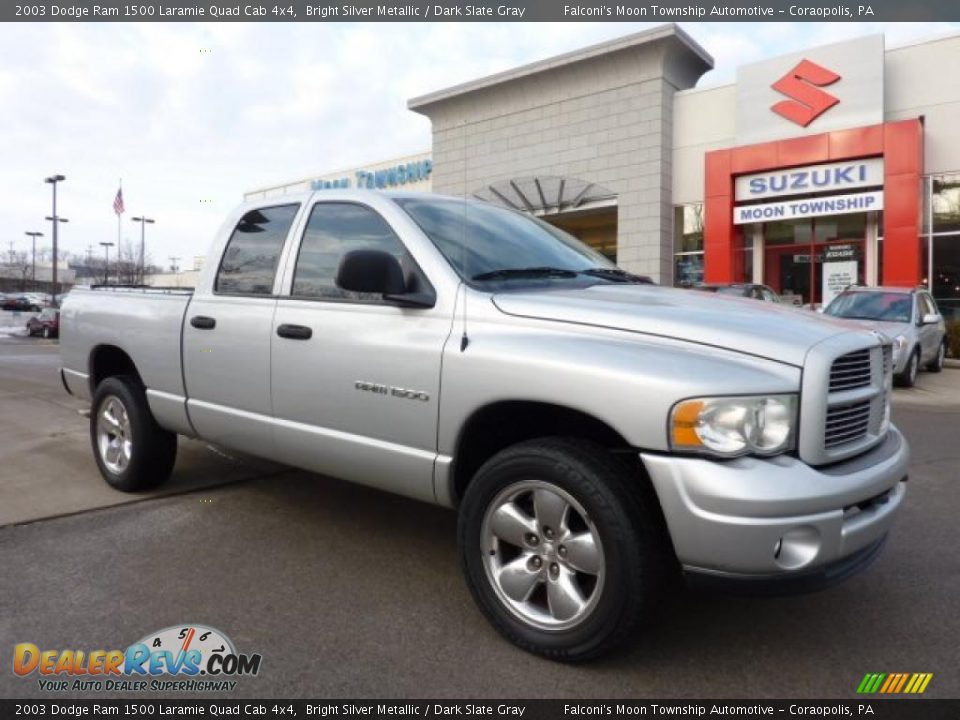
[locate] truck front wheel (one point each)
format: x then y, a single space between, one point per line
562 548
131 450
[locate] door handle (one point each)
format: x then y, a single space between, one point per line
294 332
202 322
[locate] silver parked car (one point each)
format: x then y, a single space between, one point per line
908 315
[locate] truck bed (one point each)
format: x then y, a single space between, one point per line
144 322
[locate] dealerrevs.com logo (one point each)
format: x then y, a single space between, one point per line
186 658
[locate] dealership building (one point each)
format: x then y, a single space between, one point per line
835 165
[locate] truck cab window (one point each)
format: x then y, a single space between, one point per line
249 262
334 229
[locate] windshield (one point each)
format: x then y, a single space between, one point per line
484 242
882 306
724 289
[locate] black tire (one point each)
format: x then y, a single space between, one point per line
936 365
624 512
153 450
908 377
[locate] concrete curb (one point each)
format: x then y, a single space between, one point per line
951 363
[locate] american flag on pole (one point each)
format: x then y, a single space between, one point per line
118 202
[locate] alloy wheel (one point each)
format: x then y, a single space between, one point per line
542 555
114 438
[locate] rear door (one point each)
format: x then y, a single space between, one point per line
356 379
228 332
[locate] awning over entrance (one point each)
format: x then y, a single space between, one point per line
545 194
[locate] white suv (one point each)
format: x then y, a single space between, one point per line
908 315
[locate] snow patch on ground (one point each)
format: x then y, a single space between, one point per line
12 331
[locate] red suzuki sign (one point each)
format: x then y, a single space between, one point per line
802 85
813 91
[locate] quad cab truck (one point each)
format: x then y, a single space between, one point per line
598 436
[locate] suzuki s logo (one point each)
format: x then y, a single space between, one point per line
802 85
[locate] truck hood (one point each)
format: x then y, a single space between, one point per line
768 330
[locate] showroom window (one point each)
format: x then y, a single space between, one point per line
943 222
688 245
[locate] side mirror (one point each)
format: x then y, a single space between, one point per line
930 319
371 271
380 273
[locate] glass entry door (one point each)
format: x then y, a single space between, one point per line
809 261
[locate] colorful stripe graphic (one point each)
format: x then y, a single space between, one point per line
894 683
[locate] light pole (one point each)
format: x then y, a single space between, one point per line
33 263
144 221
56 223
53 180
106 261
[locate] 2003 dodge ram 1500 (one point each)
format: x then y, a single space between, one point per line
597 434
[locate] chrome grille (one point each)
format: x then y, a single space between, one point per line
847 423
845 398
851 371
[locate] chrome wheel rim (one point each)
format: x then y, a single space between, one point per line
941 355
913 367
114 439
542 555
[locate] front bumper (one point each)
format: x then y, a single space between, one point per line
757 522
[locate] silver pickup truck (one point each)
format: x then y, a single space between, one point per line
598 436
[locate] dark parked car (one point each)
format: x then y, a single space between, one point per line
46 324
22 303
747 290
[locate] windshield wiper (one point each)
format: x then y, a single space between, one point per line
529 272
617 275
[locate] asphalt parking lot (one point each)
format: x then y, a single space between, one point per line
347 592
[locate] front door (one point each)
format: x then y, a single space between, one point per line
930 334
809 261
356 379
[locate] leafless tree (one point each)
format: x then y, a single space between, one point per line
20 267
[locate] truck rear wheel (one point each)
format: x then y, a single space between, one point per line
131 450
563 550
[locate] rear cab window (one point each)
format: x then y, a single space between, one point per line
250 259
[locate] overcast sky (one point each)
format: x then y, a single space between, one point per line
192 115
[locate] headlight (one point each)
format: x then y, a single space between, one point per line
731 426
899 345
